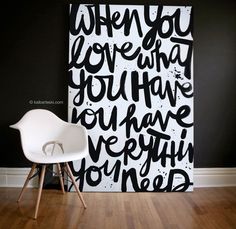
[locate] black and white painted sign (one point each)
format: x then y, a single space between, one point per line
131 86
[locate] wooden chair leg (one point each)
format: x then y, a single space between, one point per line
40 190
60 177
74 183
27 181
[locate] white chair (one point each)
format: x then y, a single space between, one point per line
46 139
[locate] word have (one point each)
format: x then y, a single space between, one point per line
90 118
150 87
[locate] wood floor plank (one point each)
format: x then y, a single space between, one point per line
205 208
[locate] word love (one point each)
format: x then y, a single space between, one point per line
152 39
131 86
107 56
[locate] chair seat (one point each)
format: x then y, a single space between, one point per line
41 158
46 139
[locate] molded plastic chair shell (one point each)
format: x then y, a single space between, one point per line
39 126
38 129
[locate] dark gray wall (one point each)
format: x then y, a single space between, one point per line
33 66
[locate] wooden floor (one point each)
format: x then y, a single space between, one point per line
206 208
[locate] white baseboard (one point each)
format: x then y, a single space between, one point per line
214 177
15 177
203 177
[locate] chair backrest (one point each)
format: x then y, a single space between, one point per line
40 126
